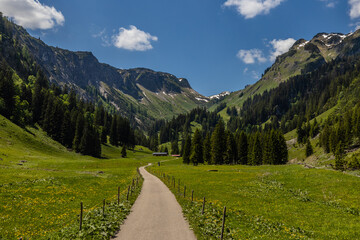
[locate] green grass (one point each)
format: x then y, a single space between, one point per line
42 184
270 202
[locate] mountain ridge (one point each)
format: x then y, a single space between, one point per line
139 93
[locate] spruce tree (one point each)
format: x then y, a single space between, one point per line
67 131
175 147
243 148
309 149
7 90
218 144
207 149
197 149
187 150
113 132
268 151
231 151
78 132
256 150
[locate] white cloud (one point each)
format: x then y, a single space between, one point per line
133 39
252 8
32 14
280 47
354 8
329 3
251 56
104 38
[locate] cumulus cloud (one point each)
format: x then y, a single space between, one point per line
251 56
280 47
133 39
32 14
354 8
252 8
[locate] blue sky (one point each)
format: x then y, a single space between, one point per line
218 45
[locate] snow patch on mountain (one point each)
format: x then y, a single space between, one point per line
218 96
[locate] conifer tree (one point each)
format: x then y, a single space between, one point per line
207 149
197 149
187 150
7 90
256 150
268 151
67 131
114 132
243 148
218 144
78 132
339 155
309 149
231 151
175 147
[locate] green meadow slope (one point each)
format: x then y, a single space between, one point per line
42 184
267 202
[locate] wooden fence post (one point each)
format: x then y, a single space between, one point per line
223 224
81 214
192 195
203 207
184 191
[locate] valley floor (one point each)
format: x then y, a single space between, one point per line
268 202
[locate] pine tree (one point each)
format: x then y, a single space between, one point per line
268 147
309 149
339 155
78 132
256 150
218 144
114 132
197 149
7 91
123 152
85 142
231 151
282 154
207 149
67 131
187 150
175 147
243 148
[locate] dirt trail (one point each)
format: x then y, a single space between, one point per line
155 215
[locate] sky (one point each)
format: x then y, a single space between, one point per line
218 45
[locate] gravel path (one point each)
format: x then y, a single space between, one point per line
155 215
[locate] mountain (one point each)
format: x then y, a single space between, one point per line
303 57
139 93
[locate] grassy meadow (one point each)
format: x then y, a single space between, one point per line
268 202
42 184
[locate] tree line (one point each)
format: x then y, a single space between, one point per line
223 147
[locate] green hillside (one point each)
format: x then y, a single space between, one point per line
42 183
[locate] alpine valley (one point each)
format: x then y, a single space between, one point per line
283 153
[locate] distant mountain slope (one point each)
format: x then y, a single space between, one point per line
141 94
303 57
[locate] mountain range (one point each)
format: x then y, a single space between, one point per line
144 95
141 94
